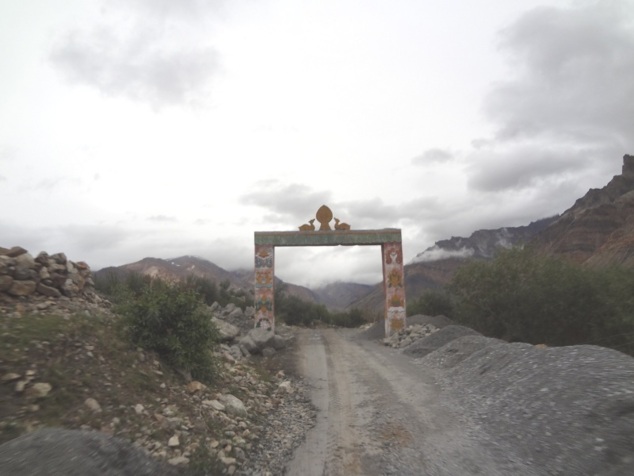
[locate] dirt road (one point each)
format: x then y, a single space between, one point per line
381 414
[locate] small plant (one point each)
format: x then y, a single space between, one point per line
172 321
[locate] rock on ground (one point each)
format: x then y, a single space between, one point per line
61 452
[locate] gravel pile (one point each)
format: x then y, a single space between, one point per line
436 340
457 350
562 410
377 330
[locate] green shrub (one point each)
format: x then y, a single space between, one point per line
205 288
352 318
172 320
528 297
431 303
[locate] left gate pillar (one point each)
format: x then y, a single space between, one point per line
264 286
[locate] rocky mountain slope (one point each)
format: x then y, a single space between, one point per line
598 230
175 269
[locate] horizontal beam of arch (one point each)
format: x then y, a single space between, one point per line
328 238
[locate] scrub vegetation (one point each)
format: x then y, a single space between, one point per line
525 296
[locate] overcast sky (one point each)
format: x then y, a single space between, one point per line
136 128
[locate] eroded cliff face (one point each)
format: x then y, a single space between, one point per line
599 228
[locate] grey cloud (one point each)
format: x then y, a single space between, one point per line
574 75
286 203
369 213
566 115
138 59
520 167
432 156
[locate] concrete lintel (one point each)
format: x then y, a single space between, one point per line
328 237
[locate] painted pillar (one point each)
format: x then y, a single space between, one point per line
264 286
394 285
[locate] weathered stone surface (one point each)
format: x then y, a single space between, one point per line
92 404
59 258
52 276
233 405
261 337
247 344
7 265
22 288
47 290
39 390
60 451
228 332
13 252
5 282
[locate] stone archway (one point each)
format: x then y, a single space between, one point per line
341 235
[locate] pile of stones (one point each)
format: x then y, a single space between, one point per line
238 337
52 276
409 335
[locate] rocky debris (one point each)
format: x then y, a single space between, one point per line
241 407
409 335
52 276
61 452
563 410
234 317
459 349
439 321
437 339
262 341
284 430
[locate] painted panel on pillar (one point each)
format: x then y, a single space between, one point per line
394 287
264 290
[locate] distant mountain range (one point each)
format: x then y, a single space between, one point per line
598 230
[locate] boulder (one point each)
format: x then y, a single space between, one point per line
228 332
22 288
57 451
233 405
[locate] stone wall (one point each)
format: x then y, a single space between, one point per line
48 275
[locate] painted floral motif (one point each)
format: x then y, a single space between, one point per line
396 300
264 277
393 253
264 257
395 279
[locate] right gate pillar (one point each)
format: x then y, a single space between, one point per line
394 286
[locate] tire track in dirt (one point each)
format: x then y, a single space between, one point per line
381 414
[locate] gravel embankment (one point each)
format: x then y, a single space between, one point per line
562 410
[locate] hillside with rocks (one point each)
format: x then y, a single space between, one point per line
176 269
66 367
599 228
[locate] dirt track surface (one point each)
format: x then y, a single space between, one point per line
381 414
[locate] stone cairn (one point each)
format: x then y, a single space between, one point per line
52 276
